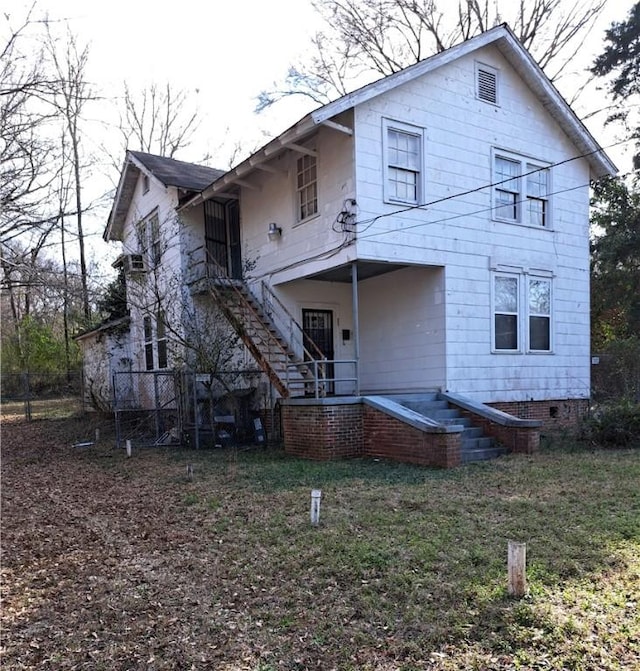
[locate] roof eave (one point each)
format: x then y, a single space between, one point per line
295 133
504 39
124 194
521 60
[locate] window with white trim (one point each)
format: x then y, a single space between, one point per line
155 341
539 305
506 304
403 157
522 312
161 339
521 190
307 186
148 343
149 240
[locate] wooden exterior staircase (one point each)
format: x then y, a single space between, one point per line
260 326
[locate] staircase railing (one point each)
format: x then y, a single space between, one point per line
286 323
240 291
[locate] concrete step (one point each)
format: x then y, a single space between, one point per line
425 407
479 443
448 413
459 421
472 432
482 454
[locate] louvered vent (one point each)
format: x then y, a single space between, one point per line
487 85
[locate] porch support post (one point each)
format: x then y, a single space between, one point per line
356 322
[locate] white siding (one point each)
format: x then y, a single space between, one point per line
402 331
459 233
273 200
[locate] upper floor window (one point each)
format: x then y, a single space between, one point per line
521 190
149 239
145 183
307 186
521 312
403 156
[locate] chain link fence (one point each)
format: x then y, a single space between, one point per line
41 395
189 409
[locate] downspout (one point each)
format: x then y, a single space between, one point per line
356 322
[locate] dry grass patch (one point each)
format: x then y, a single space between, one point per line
116 563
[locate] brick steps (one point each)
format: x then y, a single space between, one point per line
475 446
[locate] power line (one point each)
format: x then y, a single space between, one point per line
475 212
482 187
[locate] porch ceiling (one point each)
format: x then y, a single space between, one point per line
366 269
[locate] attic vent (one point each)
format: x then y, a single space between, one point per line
487 84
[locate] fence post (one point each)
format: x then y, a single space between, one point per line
27 396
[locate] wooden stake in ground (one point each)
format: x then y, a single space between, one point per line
517 568
316 494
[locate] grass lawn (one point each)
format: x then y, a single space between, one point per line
115 563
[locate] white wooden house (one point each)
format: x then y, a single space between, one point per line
425 233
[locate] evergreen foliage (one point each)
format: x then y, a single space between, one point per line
621 59
615 262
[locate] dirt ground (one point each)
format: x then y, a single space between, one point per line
97 573
128 564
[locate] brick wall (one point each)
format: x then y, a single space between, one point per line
324 432
520 440
388 438
555 415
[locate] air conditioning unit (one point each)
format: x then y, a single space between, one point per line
134 263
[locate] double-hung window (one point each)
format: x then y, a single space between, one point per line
307 186
403 156
506 311
521 190
161 339
155 348
522 312
149 240
148 343
539 317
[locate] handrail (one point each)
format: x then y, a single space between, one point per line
318 379
214 271
222 276
269 297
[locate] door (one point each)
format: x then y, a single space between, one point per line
222 237
317 326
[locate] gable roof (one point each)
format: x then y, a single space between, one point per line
500 37
170 172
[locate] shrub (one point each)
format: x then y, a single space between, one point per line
615 425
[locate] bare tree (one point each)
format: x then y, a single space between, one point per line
27 155
159 120
366 39
69 100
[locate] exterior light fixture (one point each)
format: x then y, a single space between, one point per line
274 231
